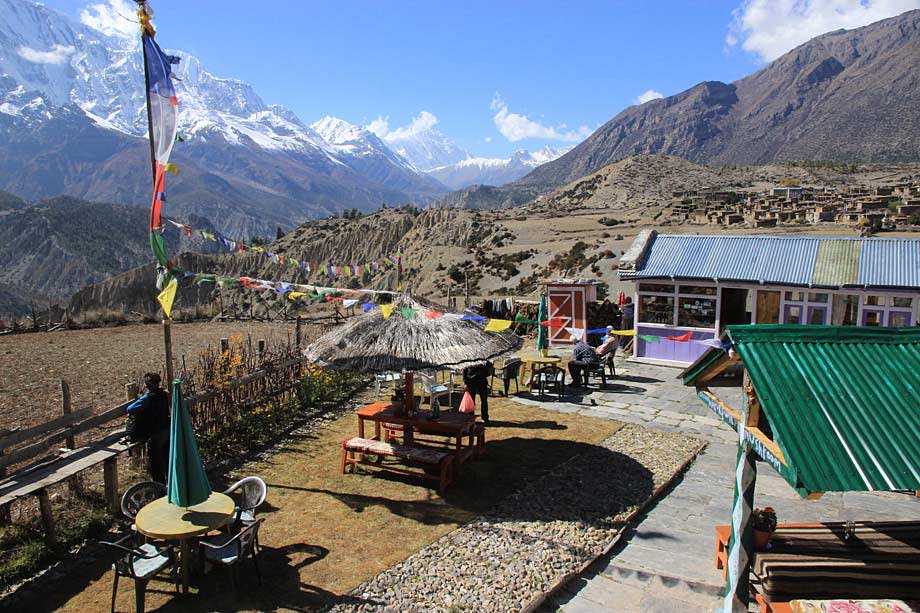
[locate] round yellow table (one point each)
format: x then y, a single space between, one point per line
534 358
161 520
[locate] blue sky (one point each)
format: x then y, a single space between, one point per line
495 75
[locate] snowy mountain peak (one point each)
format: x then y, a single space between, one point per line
426 148
338 131
494 171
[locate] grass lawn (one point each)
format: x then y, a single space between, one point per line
325 533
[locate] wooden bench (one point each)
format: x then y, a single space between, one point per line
478 434
413 454
859 560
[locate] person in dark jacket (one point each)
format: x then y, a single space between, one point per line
582 357
148 420
629 310
476 379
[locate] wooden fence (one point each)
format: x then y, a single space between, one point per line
48 464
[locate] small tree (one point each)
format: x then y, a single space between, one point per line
279 233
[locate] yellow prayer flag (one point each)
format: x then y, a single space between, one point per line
386 309
166 297
497 325
624 332
295 295
172 168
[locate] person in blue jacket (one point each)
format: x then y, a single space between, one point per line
148 420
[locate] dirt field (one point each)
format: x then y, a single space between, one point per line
97 363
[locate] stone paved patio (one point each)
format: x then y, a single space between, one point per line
665 563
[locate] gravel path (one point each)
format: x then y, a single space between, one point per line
504 560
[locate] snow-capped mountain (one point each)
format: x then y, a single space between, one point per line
494 171
426 149
73 93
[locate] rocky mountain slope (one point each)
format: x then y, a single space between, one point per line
53 247
847 96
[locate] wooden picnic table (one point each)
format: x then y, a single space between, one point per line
161 520
451 424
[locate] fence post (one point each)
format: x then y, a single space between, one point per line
297 332
44 506
6 516
224 345
260 351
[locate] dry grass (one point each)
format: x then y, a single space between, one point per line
325 532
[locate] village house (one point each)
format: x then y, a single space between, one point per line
691 286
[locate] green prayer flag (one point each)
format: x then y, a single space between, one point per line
156 245
407 312
649 338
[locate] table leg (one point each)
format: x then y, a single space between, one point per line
184 563
360 427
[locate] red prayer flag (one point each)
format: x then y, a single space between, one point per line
432 314
683 338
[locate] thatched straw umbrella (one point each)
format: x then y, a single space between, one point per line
370 343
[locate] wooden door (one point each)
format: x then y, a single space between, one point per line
768 307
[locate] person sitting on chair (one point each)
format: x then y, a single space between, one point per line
583 356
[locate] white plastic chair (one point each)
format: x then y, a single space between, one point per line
385 378
433 389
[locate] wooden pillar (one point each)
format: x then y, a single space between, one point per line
297 331
224 345
408 405
44 507
167 343
66 408
110 482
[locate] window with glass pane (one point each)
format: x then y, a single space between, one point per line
656 310
817 297
874 301
698 290
902 302
793 314
696 312
661 288
899 319
872 318
795 296
845 311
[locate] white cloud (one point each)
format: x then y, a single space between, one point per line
487 139
112 18
58 54
647 96
770 28
380 126
516 127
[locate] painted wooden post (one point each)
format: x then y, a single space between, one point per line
44 507
741 543
110 482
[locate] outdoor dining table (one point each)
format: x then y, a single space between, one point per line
450 424
161 520
535 359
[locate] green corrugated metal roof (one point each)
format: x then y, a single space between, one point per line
843 402
837 263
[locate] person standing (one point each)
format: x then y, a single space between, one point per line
476 379
148 420
629 310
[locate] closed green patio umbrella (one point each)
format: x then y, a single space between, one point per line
542 331
186 483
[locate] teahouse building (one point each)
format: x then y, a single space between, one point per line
692 287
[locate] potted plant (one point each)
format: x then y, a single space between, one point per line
764 521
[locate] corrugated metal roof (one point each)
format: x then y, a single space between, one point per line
890 262
803 261
837 263
843 402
